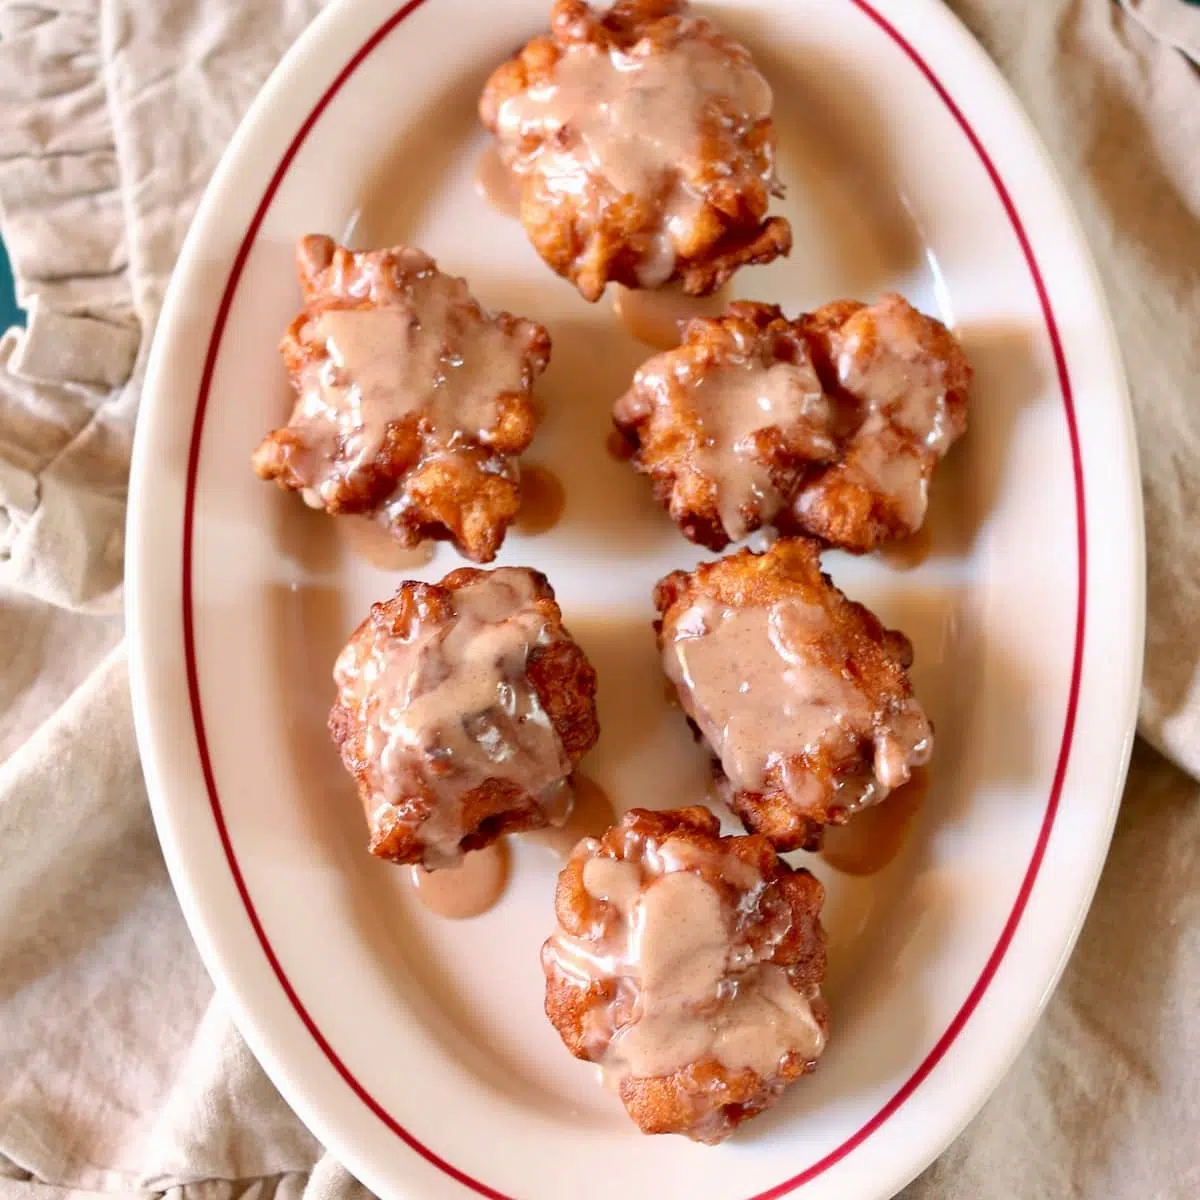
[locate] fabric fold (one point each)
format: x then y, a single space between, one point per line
60 185
120 1075
60 347
1176 22
65 418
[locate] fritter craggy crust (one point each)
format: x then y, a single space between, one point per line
714 493
557 671
879 359
406 452
853 471
775 921
599 230
873 734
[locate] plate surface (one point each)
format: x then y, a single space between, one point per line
416 1049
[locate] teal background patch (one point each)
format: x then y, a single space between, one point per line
10 314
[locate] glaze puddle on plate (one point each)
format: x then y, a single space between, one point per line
542 500
657 318
469 888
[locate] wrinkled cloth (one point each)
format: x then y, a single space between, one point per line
1174 21
120 1072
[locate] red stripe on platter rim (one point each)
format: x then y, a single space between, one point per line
981 985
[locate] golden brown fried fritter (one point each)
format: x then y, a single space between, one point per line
462 708
801 694
830 424
905 378
689 966
643 147
412 401
727 425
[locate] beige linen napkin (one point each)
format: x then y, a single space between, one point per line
120 1073
1174 21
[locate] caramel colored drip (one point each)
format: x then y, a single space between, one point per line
741 408
765 686
905 554
743 675
689 988
426 352
738 403
371 541
495 182
590 816
890 466
542 500
619 446
874 837
467 889
906 426
448 706
630 123
656 317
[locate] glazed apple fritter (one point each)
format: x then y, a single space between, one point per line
829 425
412 401
802 695
462 709
642 145
689 966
